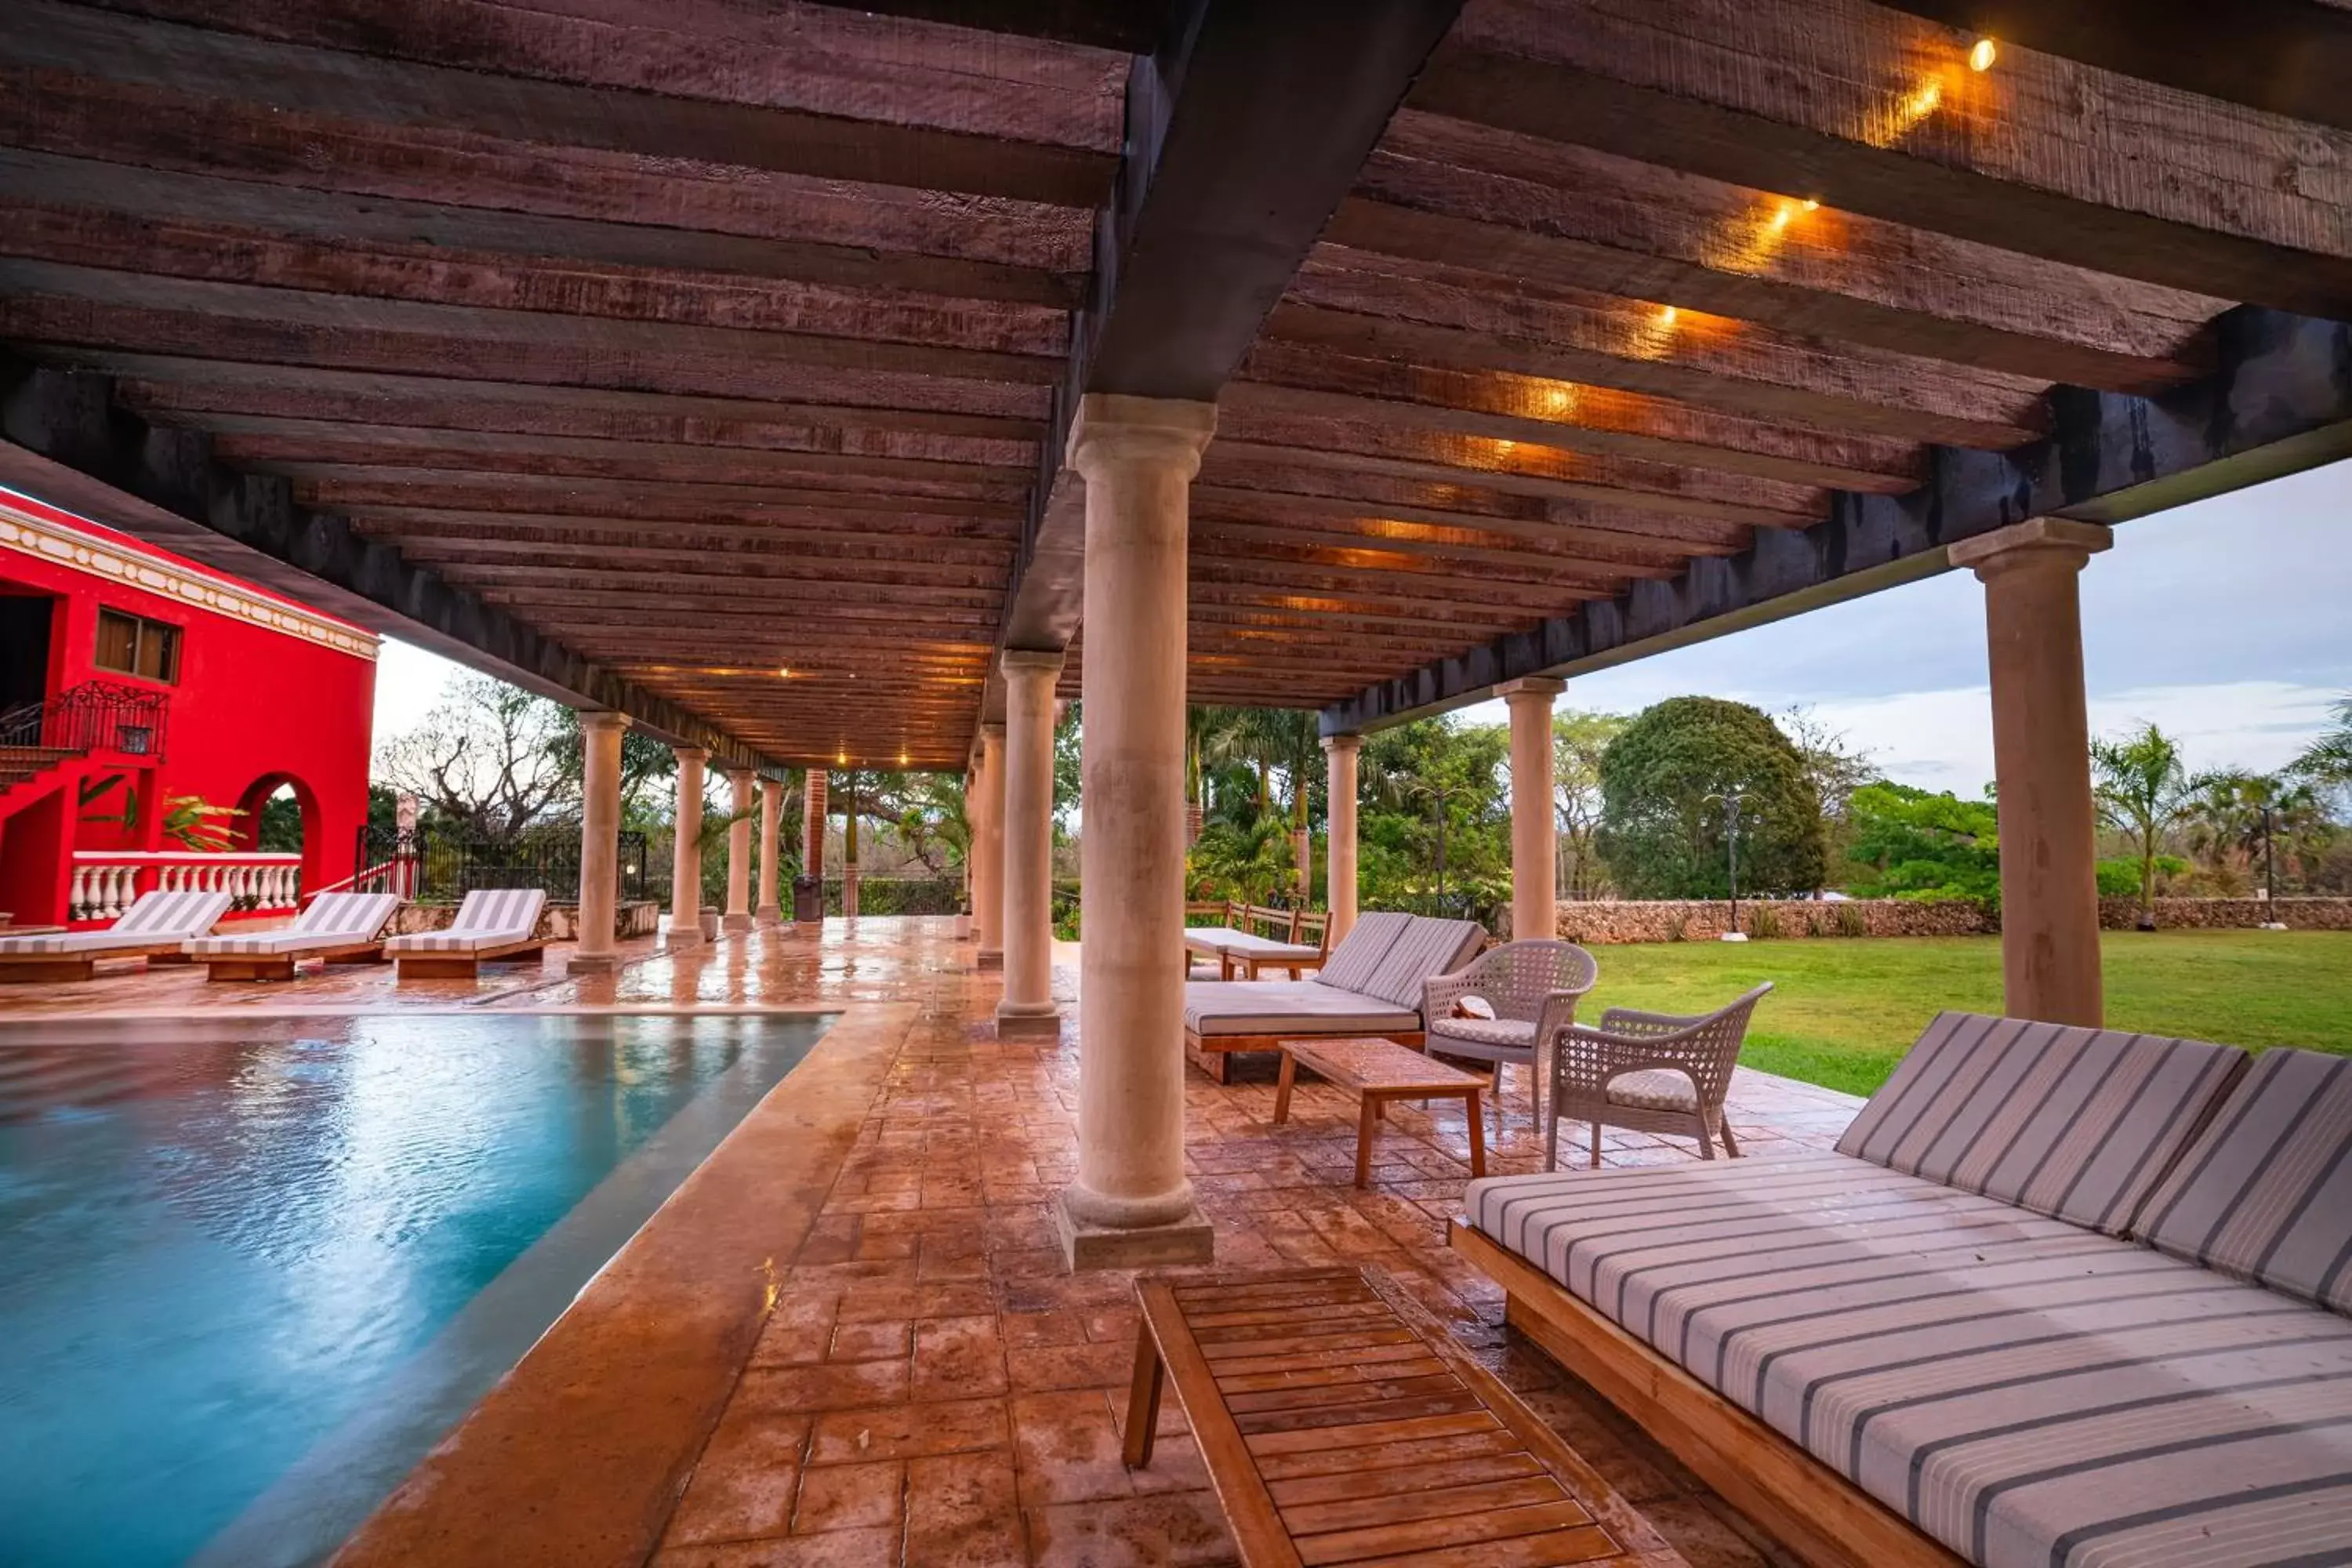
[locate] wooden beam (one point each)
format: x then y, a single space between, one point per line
1129 27
659 500
1332 493
46 36
1874 112
1448 192
2279 403
2289 58
1285 378
67 209
64 439
1259 107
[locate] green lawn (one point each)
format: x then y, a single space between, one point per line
1843 1011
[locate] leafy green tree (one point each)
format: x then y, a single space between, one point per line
2143 791
2326 763
1243 861
1435 786
1662 822
1909 844
1577 742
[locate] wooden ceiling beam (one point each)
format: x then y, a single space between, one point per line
1449 193
1129 27
249 411
401 94
1875 112
1285 378
559 534
1516 467
555 495
800 567
1307 492
1712 360
1511 555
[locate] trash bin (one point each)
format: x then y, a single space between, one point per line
808 898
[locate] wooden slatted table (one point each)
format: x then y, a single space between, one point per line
1340 1423
1377 1071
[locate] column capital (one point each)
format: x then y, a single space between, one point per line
991 731
773 789
1033 661
737 774
1342 744
690 754
1113 428
1530 685
2049 538
604 720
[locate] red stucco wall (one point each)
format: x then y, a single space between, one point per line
253 706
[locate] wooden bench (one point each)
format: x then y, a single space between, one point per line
1340 1423
1256 937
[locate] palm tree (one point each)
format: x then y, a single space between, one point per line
1268 740
2238 816
2143 792
2327 761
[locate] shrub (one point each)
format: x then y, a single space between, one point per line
1763 922
1662 823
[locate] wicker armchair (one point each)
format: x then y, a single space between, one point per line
1534 987
1653 1072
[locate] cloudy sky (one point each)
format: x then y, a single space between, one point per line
2228 622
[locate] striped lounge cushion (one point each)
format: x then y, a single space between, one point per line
2079 1124
156 919
1350 964
333 920
491 916
2266 1193
1427 948
1214 1007
2031 1394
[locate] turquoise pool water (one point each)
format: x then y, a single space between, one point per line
250 1271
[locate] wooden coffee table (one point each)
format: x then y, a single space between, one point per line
1340 1423
1378 1072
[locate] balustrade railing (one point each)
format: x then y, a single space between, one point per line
106 882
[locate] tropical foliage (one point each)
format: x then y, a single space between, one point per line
1666 824
2143 792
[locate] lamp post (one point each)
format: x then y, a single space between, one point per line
2270 873
1732 801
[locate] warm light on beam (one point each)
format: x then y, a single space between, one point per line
1982 54
1666 316
841 759
1812 205
785 673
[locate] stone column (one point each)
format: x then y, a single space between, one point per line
771 805
1339 754
1027 1007
1535 819
600 842
2042 759
686 870
738 851
813 834
1131 1203
988 829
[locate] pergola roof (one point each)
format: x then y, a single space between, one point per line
642 352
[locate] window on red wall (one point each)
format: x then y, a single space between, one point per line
134 645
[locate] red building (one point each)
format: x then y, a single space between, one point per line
135 685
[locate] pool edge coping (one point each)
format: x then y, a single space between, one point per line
578 1454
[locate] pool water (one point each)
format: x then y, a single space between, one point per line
251 1270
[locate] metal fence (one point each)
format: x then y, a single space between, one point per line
97 716
434 865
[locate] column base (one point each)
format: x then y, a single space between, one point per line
990 958
736 922
679 935
594 964
1017 1021
769 914
1086 1245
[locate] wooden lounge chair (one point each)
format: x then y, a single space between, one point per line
493 924
1369 985
1256 938
154 928
340 928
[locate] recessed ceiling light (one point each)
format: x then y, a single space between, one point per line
1982 56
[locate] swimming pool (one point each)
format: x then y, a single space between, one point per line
250 1270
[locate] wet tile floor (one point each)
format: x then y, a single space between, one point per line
933 1387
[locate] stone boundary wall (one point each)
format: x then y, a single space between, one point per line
1604 921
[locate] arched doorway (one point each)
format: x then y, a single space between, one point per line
281 818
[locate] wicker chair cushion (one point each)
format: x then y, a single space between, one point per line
1655 1090
1487 1031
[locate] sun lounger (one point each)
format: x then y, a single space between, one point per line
491 925
2059 1295
340 928
154 928
1369 985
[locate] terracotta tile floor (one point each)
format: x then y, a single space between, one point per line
933 1387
